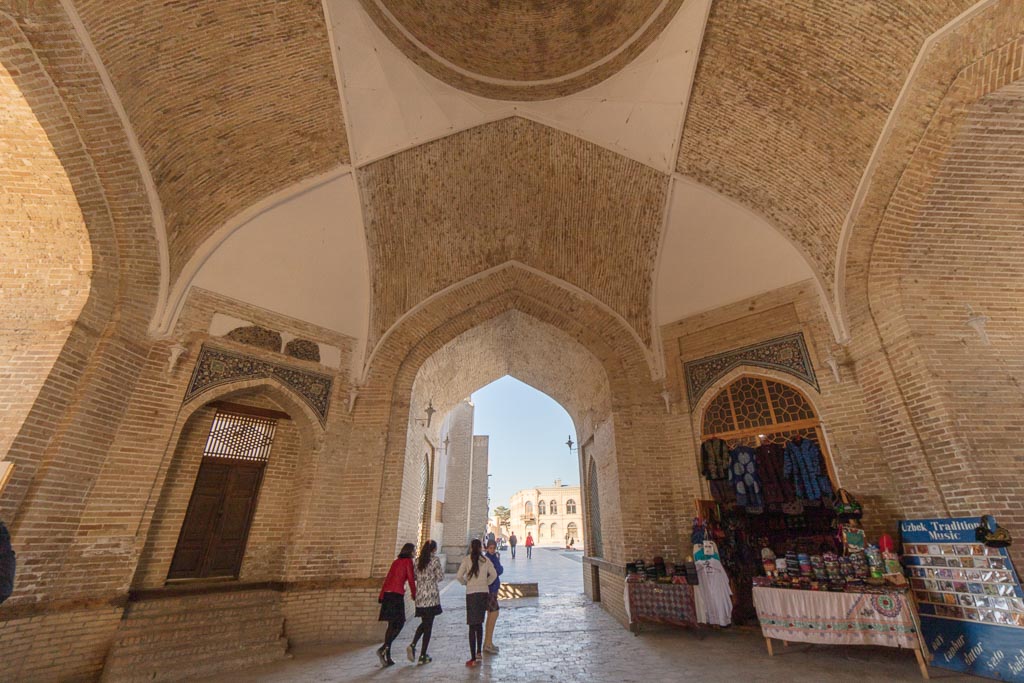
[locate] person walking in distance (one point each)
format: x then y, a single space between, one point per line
392 600
529 545
476 573
429 574
512 541
492 599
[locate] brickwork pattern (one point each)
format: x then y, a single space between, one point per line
263 109
496 50
772 81
449 209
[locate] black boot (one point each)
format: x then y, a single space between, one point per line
387 657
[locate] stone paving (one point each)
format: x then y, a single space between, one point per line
562 636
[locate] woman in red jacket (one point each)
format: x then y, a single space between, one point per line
392 600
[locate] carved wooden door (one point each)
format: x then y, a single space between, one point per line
216 527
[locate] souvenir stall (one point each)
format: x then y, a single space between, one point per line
660 594
770 478
790 540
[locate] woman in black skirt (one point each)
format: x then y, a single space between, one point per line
476 573
392 600
428 599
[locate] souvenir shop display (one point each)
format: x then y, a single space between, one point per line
969 595
775 494
658 592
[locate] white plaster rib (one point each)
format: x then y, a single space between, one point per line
512 263
691 78
502 81
845 234
656 342
339 78
155 207
169 314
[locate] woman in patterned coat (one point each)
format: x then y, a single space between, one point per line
428 599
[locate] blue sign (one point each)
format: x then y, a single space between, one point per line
969 597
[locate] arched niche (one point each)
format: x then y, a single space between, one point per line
282 497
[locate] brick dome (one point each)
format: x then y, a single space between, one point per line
525 49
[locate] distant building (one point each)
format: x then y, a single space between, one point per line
550 513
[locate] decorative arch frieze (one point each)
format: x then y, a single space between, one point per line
216 367
787 354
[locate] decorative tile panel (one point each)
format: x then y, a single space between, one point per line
786 354
217 366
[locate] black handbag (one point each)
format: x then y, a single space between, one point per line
991 534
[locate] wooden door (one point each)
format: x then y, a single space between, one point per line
216 526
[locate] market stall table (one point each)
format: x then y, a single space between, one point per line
834 618
660 603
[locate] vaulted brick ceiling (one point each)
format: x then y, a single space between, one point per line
522 49
789 101
511 190
231 101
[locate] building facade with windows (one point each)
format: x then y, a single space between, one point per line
553 514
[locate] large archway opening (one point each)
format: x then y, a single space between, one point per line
496 417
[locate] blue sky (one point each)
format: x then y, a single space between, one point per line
528 432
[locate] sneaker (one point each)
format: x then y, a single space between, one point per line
471 662
387 657
410 652
491 649
425 659
380 656
479 656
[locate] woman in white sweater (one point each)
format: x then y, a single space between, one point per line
476 573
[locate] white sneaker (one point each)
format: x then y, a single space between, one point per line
491 649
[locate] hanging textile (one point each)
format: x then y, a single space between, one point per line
715 460
776 489
804 467
744 479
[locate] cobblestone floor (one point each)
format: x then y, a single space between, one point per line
562 636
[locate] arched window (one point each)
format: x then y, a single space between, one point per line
528 510
755 410
540 508
573 531
553 507
570 507
554 532
540 531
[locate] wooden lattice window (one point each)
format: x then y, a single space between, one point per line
754 410
240 437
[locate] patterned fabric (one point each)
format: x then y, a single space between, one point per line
775 487
715 459
664 603
743 476
427 594
803 467
837 618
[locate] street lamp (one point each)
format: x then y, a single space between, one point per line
570 444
